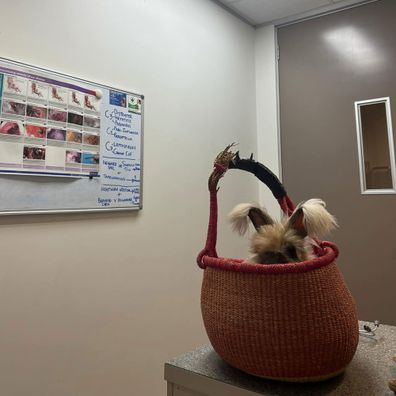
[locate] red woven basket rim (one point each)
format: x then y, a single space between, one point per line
238 265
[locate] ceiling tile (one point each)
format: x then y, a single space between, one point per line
261 11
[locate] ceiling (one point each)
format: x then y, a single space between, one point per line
261 12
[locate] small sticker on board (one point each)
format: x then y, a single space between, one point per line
134 104
118 98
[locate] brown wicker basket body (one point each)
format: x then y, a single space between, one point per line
291 322
292 326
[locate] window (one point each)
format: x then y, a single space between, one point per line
375 145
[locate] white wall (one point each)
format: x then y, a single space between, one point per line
266 110
92 305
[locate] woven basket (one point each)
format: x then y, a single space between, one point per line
291 322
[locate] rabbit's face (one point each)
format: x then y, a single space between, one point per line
284 242
276 244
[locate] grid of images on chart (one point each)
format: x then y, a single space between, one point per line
48 127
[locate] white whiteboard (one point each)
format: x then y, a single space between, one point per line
67 144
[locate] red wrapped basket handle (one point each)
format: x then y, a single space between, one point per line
229 160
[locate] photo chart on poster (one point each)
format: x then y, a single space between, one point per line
67 144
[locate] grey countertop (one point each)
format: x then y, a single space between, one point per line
368 373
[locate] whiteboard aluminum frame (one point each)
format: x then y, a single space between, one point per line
82 210
363 187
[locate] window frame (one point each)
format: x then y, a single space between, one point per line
363 187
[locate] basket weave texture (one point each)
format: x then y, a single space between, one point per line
295 326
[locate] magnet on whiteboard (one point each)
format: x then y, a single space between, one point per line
98 94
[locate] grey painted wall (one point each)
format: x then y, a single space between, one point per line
326 64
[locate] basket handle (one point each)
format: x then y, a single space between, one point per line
229 160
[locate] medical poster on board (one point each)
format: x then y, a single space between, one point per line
54 127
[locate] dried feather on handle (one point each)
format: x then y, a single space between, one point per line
221 164
225 156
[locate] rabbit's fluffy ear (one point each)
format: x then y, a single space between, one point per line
239 217
311 218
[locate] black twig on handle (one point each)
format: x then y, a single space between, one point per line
261 172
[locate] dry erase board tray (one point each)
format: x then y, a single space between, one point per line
61 127
49 174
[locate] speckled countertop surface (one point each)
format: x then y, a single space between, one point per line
368 374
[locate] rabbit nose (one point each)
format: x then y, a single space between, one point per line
281 258
273 258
